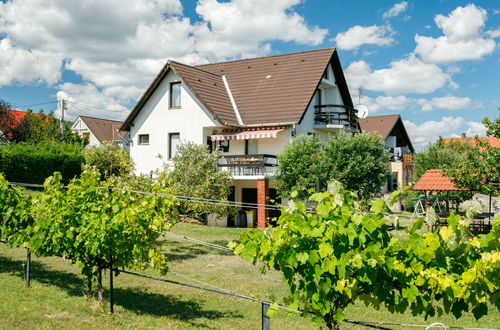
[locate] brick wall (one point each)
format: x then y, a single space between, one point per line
262 195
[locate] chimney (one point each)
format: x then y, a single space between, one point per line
463 136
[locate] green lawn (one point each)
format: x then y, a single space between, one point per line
56 298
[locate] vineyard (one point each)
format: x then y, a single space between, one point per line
331 260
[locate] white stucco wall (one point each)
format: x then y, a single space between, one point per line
157 120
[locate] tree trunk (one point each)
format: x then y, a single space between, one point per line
89 288
100 290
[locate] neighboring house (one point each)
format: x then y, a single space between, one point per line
492 141
98 130
393 133
11 122
248 109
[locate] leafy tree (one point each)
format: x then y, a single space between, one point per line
299 166
96 227
195 174
478 170
109 160
493 126
437 156
6 122
360 162
336 255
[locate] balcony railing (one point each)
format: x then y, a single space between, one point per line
248 165
404 158
336 115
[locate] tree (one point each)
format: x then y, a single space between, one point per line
299 166
437 156
478 169
195 175
109 160
6 120
493 126
337 255
360 162
97 228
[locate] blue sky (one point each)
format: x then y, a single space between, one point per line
434 62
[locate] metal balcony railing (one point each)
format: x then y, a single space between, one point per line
248 165
336 114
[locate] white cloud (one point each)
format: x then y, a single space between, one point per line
378 103
123 43
23 66
408 75
475 128
395 10
448 103
364 35
430 131
462 39
494 33
87 99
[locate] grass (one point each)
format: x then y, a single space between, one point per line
56 298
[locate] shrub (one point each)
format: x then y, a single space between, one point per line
33 163
109 160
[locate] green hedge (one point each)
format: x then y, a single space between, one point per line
33 163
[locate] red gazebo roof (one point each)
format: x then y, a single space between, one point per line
434 180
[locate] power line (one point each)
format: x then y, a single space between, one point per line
31 105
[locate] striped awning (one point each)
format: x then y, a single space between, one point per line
249 134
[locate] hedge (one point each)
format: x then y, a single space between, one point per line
33 163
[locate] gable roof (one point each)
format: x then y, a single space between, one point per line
385 126
267 90
434 180
103 129
492 141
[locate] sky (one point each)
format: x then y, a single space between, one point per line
436 63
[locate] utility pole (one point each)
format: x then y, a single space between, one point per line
63 108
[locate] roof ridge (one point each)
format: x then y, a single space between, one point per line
397 115
196 68
268 56
120 121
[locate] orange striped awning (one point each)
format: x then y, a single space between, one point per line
248 134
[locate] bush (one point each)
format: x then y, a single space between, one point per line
33 163
109 160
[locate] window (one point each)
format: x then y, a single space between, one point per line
251 147
175 94
224 146
86 137
173 144
318 100
143 139
325 74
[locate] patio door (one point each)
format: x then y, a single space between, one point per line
251 147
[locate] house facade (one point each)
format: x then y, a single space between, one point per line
98 130
247 109
393 133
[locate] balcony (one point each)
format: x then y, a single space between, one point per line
335 116
248 165
404 158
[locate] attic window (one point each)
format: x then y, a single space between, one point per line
175 95
143 139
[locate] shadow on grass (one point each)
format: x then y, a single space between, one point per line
177 251
133 299
71 283
189 310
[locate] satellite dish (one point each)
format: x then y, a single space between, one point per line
362 111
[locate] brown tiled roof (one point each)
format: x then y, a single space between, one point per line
492 141
209 89
384 126
434 180
273 89
103 129
267 90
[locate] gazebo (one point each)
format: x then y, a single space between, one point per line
435 181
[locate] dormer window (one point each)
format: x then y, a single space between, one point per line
175 95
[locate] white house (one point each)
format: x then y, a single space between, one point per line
249 109
98 130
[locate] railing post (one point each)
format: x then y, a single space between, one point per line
266 321
111 306
28 264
